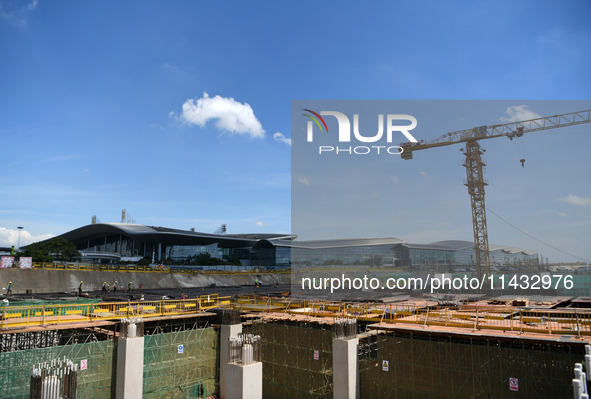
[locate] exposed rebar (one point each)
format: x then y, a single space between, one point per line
55 380
245 349
132 327
345 327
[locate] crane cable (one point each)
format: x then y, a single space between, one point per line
529 235
521 150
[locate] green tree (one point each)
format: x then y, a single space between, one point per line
205 259
233 262
145 261
38 252
57 248
63 250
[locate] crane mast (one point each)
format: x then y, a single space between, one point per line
475 181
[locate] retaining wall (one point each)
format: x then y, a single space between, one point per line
40 281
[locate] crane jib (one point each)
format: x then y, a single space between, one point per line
474 164
510 130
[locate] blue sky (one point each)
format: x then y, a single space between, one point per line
92 95
371 194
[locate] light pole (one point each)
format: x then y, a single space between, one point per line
20 228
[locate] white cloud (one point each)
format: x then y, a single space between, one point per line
517 113
576 200
280 138
86 170
32 5
423 173
170 66
394 179
304 180
260 224
17 16
230 115
9 237
563 214
177 71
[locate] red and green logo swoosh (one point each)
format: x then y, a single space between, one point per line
316 120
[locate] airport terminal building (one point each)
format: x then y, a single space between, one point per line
395 252
115 242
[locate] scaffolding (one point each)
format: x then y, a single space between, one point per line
455 360
415 364
180 364
95 371
46 338
297 359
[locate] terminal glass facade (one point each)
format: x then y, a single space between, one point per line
426 256
184 252
370 255
504 257
405 256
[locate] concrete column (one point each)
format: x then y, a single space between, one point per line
345 368
226 331
130 368
244 382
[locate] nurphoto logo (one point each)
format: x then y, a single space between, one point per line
391 126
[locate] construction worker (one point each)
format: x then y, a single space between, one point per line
129 287
105 286
115 286
80 288
9 289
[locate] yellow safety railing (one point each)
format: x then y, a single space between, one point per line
150 269
15 316
553 321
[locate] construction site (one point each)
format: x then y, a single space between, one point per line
188 334
278 346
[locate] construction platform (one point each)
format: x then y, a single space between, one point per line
411 348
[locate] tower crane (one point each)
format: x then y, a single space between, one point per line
474 164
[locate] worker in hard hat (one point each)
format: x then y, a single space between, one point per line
105 286
80 288
9 289
129 287
115 286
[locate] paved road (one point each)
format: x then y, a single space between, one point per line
169 293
